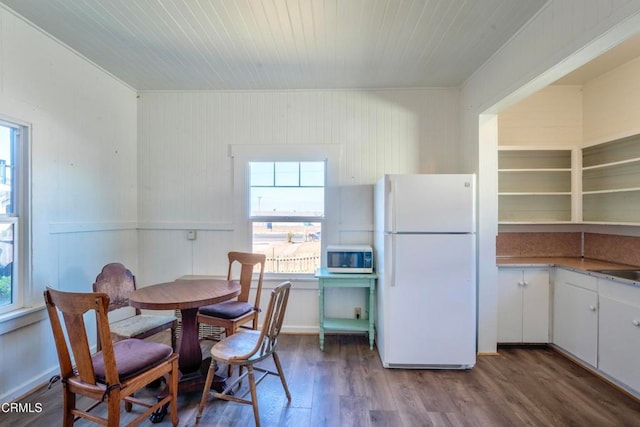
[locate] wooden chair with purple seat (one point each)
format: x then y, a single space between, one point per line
118 283
113 374
234 314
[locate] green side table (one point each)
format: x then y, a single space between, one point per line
347 280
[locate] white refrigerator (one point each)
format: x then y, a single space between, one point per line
425 247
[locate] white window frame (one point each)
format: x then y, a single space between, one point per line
242 155
21 221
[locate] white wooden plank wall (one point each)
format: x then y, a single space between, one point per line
612 104
378 131
550 117
603 109
185 176
83 181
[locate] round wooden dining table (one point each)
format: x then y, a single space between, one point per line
186 295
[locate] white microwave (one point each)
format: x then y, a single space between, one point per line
349 259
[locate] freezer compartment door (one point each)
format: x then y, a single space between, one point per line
431 203
430 301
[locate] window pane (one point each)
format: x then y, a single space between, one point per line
289 201
6 175
312 174
286 189
12 152
290 247
261 173
287 174
6 264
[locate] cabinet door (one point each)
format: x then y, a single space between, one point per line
510 282
620 341
535 306
523 305
575 321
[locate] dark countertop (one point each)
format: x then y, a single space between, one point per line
577 263
585 265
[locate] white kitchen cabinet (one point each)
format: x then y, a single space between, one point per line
619 329
534 185
611 182
575 315
523 305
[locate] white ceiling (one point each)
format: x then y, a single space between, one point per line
282 44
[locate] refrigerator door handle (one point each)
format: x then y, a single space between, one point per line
392 205
393 260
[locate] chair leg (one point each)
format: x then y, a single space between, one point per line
254 394
228 332
205 390
113 405
69 403
276 359
240 370
173 390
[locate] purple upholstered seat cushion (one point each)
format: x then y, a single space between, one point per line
227 309
132 357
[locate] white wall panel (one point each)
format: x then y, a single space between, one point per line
549 117
164 255
83 179
612 104
185 171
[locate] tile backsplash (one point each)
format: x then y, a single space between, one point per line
609 247
605 247
562 244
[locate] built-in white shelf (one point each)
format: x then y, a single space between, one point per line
534 185
547 185
611 182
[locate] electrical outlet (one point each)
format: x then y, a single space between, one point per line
357 312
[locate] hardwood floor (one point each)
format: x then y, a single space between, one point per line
346 386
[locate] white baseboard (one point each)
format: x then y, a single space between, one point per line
29 386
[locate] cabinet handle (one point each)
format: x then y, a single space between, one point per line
636 322
521 283
592 307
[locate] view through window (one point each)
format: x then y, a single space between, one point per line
9 140
287 210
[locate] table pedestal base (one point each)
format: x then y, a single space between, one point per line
191 382
194 381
